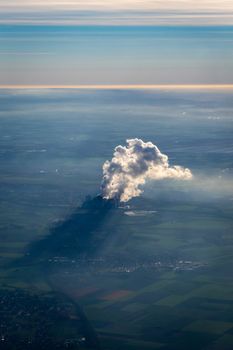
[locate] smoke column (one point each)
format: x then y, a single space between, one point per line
132 165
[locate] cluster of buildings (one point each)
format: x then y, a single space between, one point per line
115 265
29 321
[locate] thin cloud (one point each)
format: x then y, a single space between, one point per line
128 12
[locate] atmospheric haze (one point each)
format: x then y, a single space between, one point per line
134 164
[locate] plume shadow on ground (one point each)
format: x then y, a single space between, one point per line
75 235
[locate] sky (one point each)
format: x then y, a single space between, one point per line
117 12
100 42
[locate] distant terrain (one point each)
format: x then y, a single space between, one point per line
80 272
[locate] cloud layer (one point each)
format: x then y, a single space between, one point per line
132 165
131 12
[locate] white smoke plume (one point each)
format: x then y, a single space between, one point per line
132 165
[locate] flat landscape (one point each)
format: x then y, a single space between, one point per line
153 273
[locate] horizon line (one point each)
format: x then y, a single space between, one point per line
124 86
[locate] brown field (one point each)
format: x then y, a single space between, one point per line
118 294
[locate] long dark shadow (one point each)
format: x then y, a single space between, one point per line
75 236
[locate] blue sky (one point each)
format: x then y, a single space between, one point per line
63 55
104 42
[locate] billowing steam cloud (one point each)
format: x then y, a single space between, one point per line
132 165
